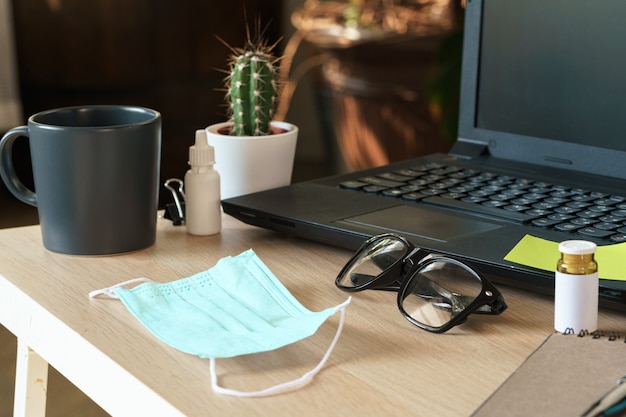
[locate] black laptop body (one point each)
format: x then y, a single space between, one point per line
542 128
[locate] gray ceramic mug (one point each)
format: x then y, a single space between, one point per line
96 177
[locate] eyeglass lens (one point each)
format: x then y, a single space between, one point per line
372 261
440 290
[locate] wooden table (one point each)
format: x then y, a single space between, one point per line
382 364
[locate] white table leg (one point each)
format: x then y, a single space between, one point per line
31 383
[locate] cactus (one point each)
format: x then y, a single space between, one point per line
252 89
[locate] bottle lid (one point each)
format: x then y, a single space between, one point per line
577 247
201 154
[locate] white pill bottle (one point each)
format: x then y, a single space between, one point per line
576 288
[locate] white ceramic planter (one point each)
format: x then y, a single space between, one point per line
248 164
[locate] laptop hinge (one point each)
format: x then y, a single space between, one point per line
469 150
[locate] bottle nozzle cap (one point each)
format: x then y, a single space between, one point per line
201 154
577 247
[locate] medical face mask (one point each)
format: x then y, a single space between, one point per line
238 307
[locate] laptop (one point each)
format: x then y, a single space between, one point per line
542 141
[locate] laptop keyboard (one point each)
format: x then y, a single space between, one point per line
571 210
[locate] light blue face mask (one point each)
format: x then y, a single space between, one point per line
238 307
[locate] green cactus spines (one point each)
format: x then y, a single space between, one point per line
252 91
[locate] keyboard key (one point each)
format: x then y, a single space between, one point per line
539 190
506 177
593 232
394 177
606 202
567 227
606 226
539 212
495 203
473 199
452 181
493 187
556 200
589 214
560 217
618 238
432 191
577 204
466 173
439 186
561 194
380 181
500 197
428 166
446 170
411 188
582 221
516 207
600 209
500 182
413 196
534 196
455 196
409 173
420 182
484 176
462 189
559 188
544 222
353 185
544 205
611 219
524 201
374 189
566 210
584 197
433 178
513 192
519 186
393 192
481 193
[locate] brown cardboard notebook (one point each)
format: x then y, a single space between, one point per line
563 377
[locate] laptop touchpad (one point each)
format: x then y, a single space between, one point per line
421 222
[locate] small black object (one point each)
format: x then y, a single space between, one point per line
171 213
175 211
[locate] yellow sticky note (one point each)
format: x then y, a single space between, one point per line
543 254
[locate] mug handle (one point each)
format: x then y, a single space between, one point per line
7 171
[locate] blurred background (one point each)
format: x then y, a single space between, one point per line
367 82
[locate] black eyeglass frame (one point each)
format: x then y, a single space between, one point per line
399 275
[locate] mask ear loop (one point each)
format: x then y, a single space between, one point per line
285 386
111 291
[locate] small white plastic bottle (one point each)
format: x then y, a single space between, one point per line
203 214
576 288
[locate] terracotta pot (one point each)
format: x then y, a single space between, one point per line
248 164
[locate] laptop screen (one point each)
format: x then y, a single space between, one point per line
546 75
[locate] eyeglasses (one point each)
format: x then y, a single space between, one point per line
435 292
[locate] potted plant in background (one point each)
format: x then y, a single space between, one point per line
388 74
253 152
